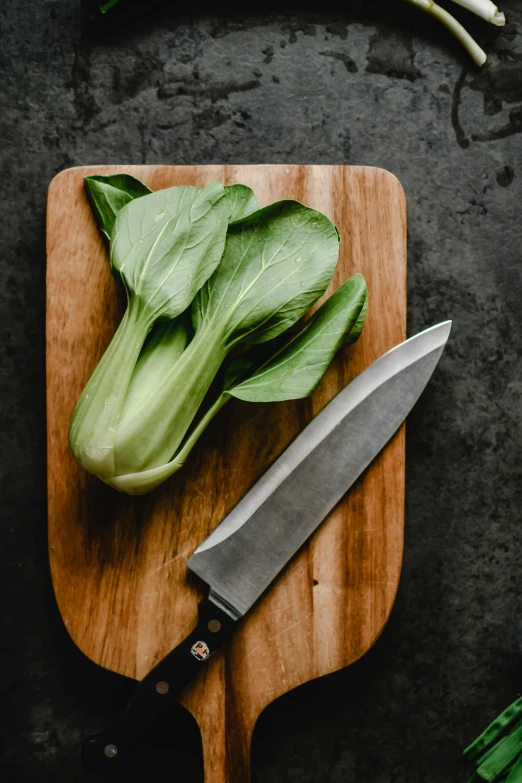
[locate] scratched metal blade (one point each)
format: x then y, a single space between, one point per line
245 553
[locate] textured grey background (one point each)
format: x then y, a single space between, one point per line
374 83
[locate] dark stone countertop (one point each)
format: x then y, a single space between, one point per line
374 83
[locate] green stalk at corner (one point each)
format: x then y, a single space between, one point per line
497 752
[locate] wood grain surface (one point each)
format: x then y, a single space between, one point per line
118 562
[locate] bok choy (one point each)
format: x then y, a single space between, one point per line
215 289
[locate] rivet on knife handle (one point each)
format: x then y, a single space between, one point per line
103 752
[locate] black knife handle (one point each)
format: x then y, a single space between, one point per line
107 750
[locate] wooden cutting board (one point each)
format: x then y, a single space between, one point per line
118 562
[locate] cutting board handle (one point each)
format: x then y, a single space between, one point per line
225 724
105 751
223 761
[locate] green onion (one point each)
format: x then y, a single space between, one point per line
499 748
515 776
495 729
483 8
507 751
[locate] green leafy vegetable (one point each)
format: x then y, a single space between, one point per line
275 265
205 272
242 202
163 252
355 332
108 195
297 368
164 246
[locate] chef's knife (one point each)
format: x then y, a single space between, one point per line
251 546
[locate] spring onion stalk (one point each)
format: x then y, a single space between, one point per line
495 729
485 9
214 288
497 752
482 8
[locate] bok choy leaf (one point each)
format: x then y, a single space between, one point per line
297 368
108 195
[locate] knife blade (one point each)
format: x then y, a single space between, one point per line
250 547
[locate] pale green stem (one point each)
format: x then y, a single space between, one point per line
160 354
159 424
449 21
96 417
194 436
147 480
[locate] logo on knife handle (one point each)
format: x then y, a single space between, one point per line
200 650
